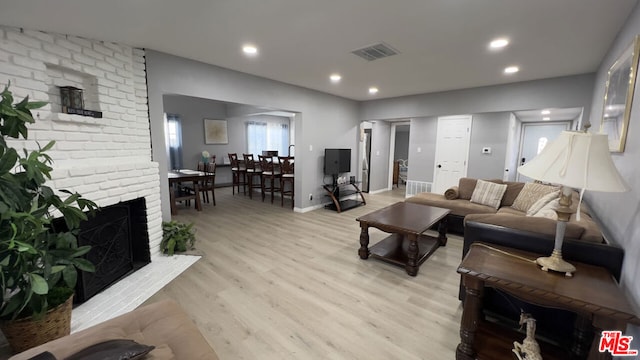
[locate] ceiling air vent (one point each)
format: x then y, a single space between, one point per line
374 52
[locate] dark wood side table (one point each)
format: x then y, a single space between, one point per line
591 293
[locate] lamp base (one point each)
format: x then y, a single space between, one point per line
556 263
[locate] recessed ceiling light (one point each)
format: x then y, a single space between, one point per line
511 70
498 43
546 118
250 49
335 78
373 90
545 112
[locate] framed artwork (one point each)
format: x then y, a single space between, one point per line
215 131
621 80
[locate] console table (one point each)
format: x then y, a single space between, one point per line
592 293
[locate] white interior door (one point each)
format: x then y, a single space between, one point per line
452 151
535 136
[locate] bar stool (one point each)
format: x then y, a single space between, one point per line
286 171
238 174
252 170
269 172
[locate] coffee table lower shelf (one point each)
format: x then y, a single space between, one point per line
393 249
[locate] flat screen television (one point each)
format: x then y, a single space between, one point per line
337 161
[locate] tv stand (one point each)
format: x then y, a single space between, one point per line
341 196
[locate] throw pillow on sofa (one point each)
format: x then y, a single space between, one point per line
542 202
531 192
488 193
549 210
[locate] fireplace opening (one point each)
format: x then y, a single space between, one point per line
119 240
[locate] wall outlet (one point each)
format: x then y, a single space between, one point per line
310 197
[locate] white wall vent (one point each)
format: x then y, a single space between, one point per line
376 51
413 187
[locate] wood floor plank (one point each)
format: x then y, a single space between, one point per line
275 284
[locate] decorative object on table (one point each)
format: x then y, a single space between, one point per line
618 96
215 131
177 237
529 348
205 157
72 102
39 263
576 159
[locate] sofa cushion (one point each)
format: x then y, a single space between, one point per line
510 210
530 193
488 193
513 189
458 206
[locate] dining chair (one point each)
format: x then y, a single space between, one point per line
253 170
286 177
271 173
208 184
238 174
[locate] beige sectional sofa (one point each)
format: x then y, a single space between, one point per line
458 199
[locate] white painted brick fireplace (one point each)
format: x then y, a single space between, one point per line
108 159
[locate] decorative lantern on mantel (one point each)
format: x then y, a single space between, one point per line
71 97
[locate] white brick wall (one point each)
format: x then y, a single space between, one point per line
107 160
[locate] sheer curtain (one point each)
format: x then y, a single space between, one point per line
173 138
267 136
256 137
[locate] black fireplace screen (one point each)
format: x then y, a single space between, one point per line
119 246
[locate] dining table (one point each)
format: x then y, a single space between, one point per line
178 193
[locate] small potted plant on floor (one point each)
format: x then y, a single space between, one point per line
38 264
177 237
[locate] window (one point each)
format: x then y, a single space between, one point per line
173 138
542 142
267 135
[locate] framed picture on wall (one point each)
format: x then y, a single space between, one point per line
618 96
215 131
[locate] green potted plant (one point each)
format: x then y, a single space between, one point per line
177 236
38 263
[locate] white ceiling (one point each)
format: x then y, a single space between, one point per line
555 114
442 44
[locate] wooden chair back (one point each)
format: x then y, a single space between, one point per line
286 165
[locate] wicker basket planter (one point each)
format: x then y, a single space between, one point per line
23 334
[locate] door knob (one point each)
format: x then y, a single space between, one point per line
439 166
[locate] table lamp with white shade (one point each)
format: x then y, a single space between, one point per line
575 160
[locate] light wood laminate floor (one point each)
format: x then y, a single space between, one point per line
274 284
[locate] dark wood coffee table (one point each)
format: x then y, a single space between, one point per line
407 246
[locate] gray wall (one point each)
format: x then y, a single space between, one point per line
422 136
379 162
192 111
569 91
401 148
488 130
323 120
619 213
